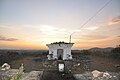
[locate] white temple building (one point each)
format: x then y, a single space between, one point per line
60 51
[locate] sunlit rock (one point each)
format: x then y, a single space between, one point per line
107 75
5 66
97 73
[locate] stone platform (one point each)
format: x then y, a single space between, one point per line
33 75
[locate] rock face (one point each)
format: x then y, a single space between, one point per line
50 75
33 75
84 76
8 73
97 75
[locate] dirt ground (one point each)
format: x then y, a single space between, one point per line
79 64
104 63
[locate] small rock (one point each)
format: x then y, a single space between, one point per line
97 73
78 64
69 70
117 66
114 76
63 74
107 75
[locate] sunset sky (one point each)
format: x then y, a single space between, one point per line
31 24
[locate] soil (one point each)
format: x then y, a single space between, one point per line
87 63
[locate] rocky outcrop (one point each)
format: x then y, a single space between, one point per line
6 74
97 75
33 75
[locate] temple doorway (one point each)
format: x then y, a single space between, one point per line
60 54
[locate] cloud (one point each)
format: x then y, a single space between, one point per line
52 30
48 28
7 39
114 20
94 37
118 36
92 28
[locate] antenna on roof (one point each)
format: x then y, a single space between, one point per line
71 37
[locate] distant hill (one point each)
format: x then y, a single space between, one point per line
23 51
97 49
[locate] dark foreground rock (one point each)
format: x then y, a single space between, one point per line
55 75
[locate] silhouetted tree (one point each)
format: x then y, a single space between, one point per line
117 49
116 52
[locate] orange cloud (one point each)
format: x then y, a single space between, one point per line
114 20
92 28
22 44
2 38
96 42
94 37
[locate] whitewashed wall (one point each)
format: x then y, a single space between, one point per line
66 50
